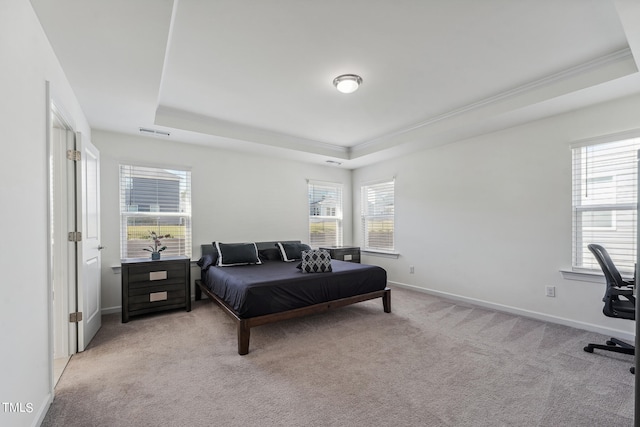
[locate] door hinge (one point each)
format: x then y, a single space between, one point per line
73 155
75 236
75 317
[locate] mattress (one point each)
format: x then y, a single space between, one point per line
277 286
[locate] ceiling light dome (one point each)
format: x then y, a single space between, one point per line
347 83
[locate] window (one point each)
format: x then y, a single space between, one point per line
604 202
325 214
154 199
378 216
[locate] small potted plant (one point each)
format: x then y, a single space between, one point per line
157 244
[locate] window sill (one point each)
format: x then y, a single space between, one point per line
585 275
582 275
394 255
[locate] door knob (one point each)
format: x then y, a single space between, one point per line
100 247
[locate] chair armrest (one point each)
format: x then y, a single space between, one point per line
626 291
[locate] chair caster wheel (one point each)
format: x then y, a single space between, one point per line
633 370
588 349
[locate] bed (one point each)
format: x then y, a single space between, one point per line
270 289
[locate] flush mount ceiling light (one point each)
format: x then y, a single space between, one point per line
347 83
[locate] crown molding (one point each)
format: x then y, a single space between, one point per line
554 84
611 59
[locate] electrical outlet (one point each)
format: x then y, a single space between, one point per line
411 269
550 291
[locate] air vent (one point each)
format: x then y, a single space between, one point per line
148 131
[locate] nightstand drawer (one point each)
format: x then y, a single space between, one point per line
156 274
166 295
134 292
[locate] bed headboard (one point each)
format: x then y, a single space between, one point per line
208 248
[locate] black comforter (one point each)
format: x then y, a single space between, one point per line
276 286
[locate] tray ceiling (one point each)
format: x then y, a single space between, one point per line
257 75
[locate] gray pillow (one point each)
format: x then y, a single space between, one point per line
292 251
316 261
207 261
270 254
230 254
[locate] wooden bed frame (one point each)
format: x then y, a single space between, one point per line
244 325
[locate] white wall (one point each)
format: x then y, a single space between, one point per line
489 219
27 63
235 197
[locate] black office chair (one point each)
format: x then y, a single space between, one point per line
614 306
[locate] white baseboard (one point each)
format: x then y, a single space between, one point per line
526 313
42 410
111 310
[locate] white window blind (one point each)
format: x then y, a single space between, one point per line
158 200
325 214
605 202
378 222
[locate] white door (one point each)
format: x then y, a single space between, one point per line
88 250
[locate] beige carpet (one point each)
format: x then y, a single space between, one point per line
431 362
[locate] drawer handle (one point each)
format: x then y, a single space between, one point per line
157 275
158 296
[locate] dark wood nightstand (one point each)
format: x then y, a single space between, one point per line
344 253
149 286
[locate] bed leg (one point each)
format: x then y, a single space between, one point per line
386 300
243 338
198 296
